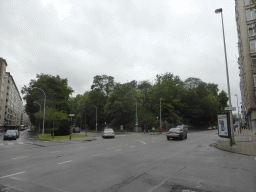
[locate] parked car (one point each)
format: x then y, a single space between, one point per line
180 132
17 132
10 134
22 127
108 132
76 130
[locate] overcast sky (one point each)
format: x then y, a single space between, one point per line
126 39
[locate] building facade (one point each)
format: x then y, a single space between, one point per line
11 106
13 102
3 65
25 118
246 20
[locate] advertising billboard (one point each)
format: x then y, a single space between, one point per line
223 125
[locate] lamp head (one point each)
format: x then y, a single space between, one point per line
218 10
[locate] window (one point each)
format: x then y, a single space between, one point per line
254 78
254 63
247 2
251 30
250 14
253 46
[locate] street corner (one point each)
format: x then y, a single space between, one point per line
241 147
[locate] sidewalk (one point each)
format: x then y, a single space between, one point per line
245 144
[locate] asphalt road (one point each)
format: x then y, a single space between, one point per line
131 162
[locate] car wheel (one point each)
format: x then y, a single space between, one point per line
186 136
168 138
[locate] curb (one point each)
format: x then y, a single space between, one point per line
89 138
232 150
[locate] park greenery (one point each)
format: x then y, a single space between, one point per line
192 102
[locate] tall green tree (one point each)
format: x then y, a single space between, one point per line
222 100
56 90
169 88
120 105
104 84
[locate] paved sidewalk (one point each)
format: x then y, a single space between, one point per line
245 144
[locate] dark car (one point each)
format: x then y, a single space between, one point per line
10 134
76 130
179 132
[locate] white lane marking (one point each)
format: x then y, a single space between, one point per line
10 143
132 146
21 143
1 144
19 157
13 174
55 152
142 142
97 155
64 162
118 150
250 138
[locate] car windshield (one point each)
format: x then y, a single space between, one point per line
179 126
175 129
11 132
108 129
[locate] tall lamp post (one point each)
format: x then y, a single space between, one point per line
232 138
44 108
96 117
160 113
238 110
40 114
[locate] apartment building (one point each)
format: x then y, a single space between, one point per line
13 102
10 99
3 65
246 20
25 118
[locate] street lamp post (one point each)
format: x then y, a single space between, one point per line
44 108
160 113
232 138
96 117
40 114
238 111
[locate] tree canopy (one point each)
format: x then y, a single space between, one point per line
57 94
191 102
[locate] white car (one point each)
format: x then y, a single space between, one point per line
108 132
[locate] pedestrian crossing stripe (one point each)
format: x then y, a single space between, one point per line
10 143
1 144
20 142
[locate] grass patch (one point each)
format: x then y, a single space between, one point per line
48 136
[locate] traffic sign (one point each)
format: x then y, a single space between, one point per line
71 115
230 108
237 119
